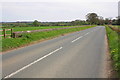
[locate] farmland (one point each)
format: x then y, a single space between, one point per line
15 29
36 28
28 38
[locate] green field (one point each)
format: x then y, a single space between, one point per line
114 43
36 28
10 43
116 26
15 29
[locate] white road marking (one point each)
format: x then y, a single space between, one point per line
83 35
12 74
87 33
80 37
77 39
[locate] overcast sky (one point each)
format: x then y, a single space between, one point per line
56 10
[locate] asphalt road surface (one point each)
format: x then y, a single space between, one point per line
77 55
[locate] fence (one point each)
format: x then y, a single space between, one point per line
5 34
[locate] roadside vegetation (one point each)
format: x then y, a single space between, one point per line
27 38
114 45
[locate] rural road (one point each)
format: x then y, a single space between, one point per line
77 55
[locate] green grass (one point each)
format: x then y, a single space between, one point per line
10 43
36 28
116 26
15 29
114 44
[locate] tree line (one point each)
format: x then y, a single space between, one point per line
91 19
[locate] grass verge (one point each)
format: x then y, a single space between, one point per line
113 40
11 43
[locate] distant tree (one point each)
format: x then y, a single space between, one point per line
106 21
36 23
92 18
114 22
118 20
101 20
76 22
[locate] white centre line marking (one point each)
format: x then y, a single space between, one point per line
81 36
77 39
87 33
12 74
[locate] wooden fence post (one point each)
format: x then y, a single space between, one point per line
4 33
11 32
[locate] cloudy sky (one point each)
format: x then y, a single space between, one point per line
56 10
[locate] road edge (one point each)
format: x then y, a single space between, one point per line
109 68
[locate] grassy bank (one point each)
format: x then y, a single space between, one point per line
10 43
114 44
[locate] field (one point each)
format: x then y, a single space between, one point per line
36 28
10 43
117 26
113 40
15 29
